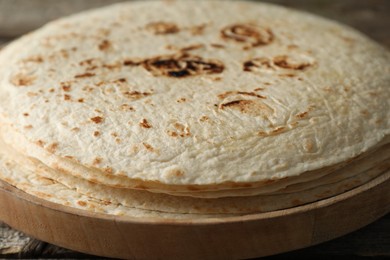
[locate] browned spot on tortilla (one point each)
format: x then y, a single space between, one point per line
148 147
251 107
217 45
67 97
75 129
85 75
28 127
22 80
136 94
192 47
229 93
161 28
97 161
278 130
108 170
82 203
262 133
258 89
248 34
180 130
116 65
176 173
37 59
129 62
52 147
283 61
182 65
25 114
96 133
104 45
40 143
80 100
121 80
145 124
302 115
181 100
65 87
87 62
97 119
204 118
126 107
257 63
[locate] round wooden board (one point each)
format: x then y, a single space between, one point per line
248 236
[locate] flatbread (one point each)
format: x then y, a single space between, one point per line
233 95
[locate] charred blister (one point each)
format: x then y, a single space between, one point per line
248 34
182 65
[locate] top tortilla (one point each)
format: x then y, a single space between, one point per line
206 96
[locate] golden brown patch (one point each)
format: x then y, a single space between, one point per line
96 133
97 119
85 75
97 161
302 115
176 173
136 94
145 124
67 97
217 45
52 147
278 130
192 47
40 143
37 59
249 35
204 118
161 28
28 127
108 170
112 66
22 80
250 107
25 114
181 100
104 45
75 129
82 203
180 130
148 147
126 107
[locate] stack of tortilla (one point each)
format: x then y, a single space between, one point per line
193 109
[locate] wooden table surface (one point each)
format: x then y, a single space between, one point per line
371 17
